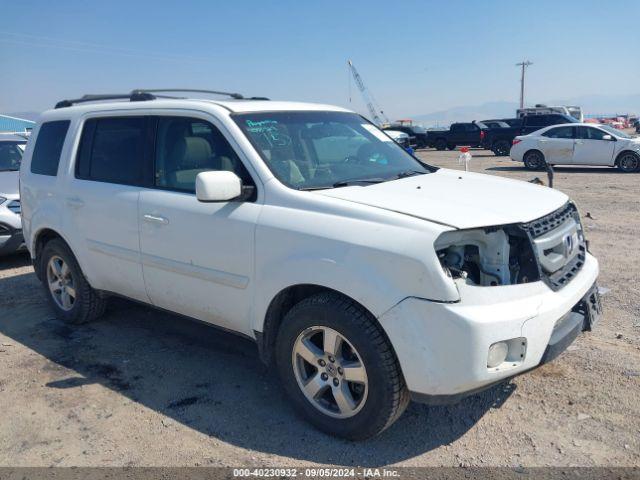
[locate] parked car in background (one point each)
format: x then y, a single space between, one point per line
11 151
499 140
365 277
400 138
495 124
578 144
511 122
569 110
468 134
417 135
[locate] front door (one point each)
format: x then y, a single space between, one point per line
591 148
197 257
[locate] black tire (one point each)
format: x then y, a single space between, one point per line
451 147
628 162
88 304
387 395
440 144
501 148
534 160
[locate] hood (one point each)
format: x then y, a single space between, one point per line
457 199
9 184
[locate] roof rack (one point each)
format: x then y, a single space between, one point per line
141 95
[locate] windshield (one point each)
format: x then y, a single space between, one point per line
417 129
312 150
10 156
614 131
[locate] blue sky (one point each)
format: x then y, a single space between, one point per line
415 56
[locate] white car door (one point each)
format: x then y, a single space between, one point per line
102 200
197 257
593 147
557 145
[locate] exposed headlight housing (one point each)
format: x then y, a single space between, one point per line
488 256
2 200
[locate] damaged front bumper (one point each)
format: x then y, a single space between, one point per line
443 347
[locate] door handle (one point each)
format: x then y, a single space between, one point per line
75 202
155 219
579 142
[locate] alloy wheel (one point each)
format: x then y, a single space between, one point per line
61 283
629 162
330 372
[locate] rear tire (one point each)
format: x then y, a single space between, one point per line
628 162
534 160
451 147
440 144
70 294
501 148
351 387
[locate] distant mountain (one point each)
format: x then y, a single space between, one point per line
591 105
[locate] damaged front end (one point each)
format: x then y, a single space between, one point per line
551 248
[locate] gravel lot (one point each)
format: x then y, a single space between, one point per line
141 387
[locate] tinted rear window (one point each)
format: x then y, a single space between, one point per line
46 153
113 150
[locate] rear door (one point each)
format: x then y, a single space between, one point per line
557 145
197 257
102 201
591 148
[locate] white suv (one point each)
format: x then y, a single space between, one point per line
367 277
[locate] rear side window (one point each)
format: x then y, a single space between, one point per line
46 153
112 150
559 132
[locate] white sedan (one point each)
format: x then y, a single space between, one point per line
577 144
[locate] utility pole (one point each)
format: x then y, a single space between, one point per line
524 64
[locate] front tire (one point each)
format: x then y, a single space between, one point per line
338 367
628 162
534 160
68 291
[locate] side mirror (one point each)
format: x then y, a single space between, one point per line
218 186
607 137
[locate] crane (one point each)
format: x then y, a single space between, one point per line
367 97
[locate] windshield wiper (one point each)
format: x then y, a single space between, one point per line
356 181
410 173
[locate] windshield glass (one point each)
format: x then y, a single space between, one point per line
310 150
614 131
10 156
417 129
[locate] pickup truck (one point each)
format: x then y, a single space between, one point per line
417 135
499 140
470 134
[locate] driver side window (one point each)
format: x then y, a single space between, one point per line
187 146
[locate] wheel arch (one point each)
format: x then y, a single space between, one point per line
40 239
282 303
534 150
622 152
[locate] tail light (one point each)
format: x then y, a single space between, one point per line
481 134
516 141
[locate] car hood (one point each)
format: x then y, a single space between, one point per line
457 199
9 183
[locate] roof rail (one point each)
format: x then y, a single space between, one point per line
236 96
143 94
135 96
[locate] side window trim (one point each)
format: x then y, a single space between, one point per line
92 123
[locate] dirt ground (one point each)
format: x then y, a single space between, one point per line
141 387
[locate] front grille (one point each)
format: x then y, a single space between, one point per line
559 245
14 206
553 220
